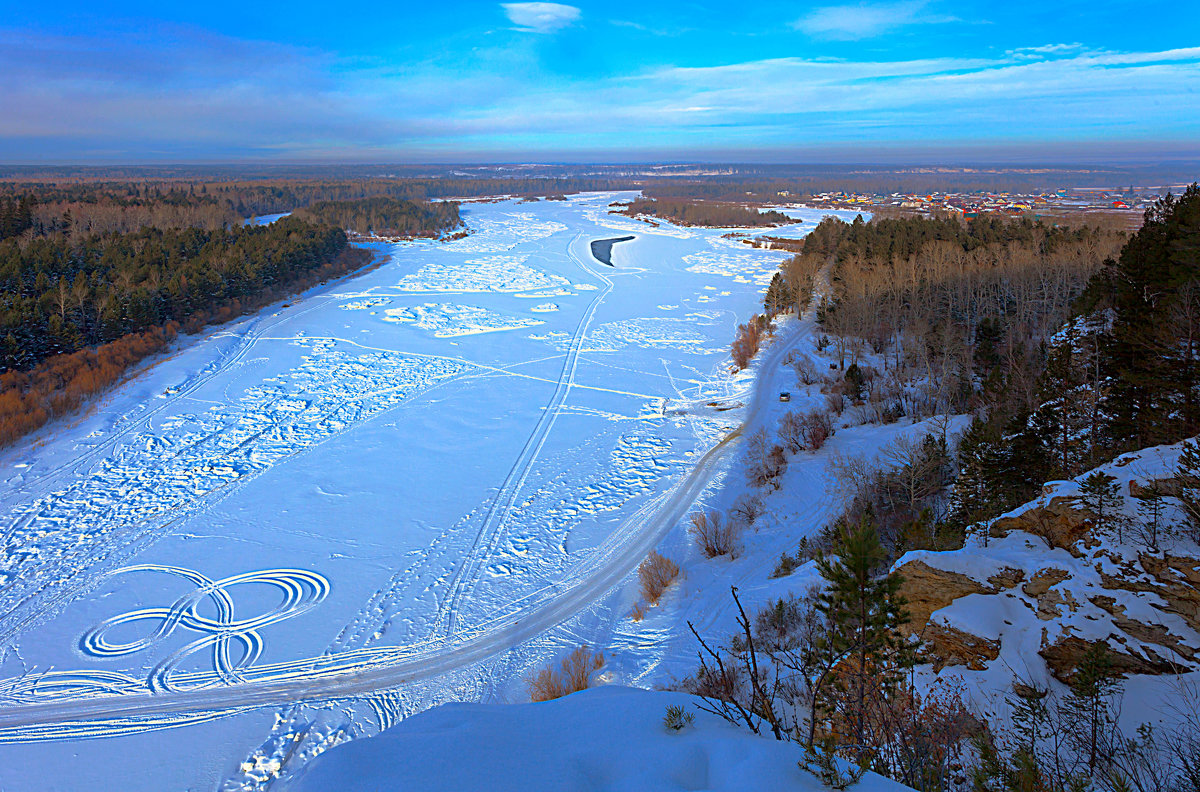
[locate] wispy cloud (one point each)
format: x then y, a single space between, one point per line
541 17
1046 50
867 20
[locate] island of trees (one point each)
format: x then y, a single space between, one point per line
720 215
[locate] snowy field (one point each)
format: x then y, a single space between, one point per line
395 490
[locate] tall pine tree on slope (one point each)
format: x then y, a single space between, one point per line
862 608
1152 358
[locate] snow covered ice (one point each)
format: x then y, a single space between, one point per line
368 497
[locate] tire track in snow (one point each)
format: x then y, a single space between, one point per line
490 532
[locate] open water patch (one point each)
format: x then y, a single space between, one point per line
602 248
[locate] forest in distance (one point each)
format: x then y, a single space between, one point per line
701 213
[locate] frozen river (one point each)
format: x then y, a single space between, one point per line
383 494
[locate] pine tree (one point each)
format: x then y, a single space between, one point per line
1062 421
1151 508
863 610
975 496
1088 703
1099 494
778 296
1153 396
1187 477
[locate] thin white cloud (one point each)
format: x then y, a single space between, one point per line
866 20
1046 50
541 17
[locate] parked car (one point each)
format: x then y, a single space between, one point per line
785 396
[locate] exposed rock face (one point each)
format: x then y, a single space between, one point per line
950 646
927 589
1063 658
1006 578
1144 608
1179 584
1043 580
1060 522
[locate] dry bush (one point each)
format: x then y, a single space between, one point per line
764 462
722 684
572 674
637 612
748 509
716 536
791 433
748 339
746 344
59 385
806 370
807 432
836 402
656 573
818 427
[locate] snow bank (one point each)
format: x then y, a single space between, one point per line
608 738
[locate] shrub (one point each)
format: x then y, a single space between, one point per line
716 536
818 427
786 566
656 573
637 612
791 432
748 340
805 370
572 674
805 432
764 462
748 509
722 684
60 384
678 717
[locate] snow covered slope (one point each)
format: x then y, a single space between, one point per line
605 739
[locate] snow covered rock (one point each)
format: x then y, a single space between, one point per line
1061 522
608 738
1045 581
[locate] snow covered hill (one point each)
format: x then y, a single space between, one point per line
609 738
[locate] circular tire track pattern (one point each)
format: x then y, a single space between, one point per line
302 591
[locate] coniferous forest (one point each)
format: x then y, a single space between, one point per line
385 217
78 311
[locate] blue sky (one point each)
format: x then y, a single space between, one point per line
457 81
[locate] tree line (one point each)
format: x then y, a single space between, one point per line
74 207
388 217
